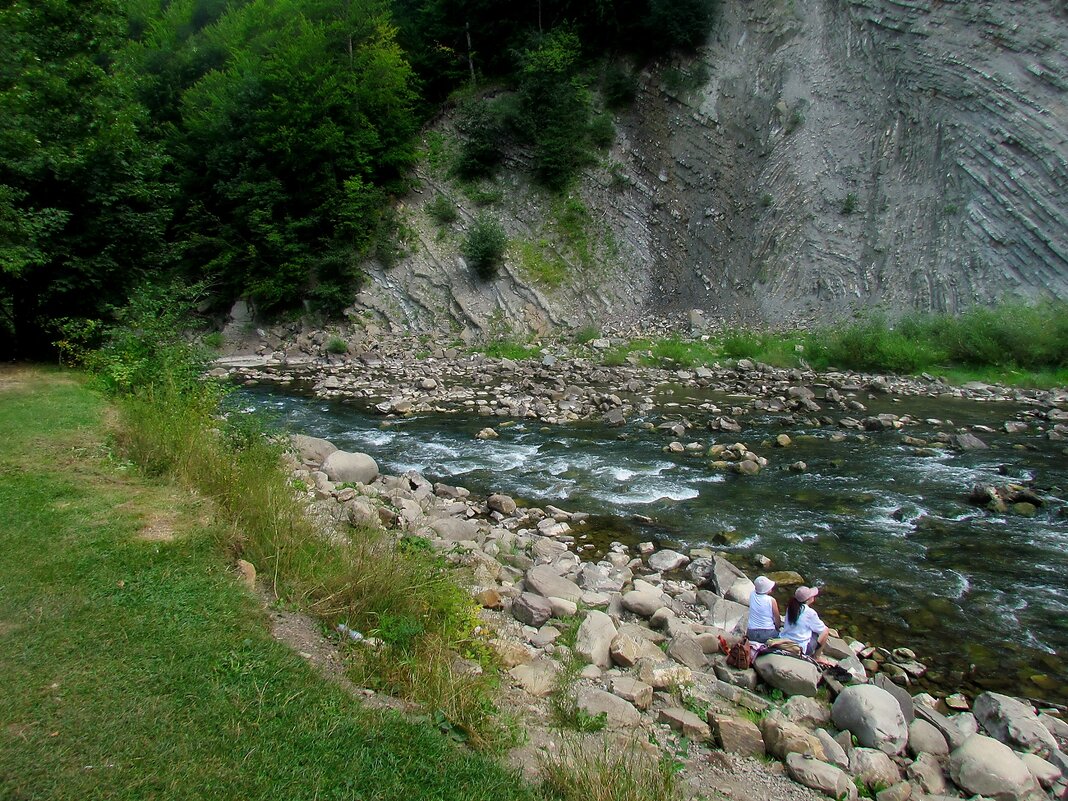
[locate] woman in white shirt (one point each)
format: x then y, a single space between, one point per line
764 619
803 625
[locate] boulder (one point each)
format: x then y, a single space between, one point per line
544 580
924 738
833 752
926 771
781 737
945 726
873 716
312 449
904 700
663 673
645 604
792 676
595 637
637 692
685 649
619 713
626 650
1014 723
873 767
723 614
534 610
821 776
1046 773
737 735
501 503
806 711
984 766
343 466
685 721
455 529
666 560
538 677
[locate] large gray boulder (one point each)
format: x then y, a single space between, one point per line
667 560
544 580
781 737
873 715
983 766
818 775
873 767
924 738
617 712
595 637
312 449
534 610
723 614
455 529
343 467
792 676
645 604
1013 723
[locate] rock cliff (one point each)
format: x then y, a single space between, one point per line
818 157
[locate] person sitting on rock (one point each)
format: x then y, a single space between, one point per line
764 619
803 625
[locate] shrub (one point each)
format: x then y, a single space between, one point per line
483 131
849 205
442 210
484 247
337 346
619 87
602 131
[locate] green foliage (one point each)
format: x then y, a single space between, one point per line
539 262
849 205
143 666
684 80
483 129
442 210
603 770
510 349
83 202
678 353
872 344
602 131
571 223
213 340
484 246
587 334
337 346
619 86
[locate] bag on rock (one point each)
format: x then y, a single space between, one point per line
739 655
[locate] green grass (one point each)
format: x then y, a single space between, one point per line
539 263
597 769
510 349
137 667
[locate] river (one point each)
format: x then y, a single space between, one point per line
902 557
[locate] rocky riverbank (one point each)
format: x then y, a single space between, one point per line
645 625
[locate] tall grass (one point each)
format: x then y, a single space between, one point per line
595 769
405 596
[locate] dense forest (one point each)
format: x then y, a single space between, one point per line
256 145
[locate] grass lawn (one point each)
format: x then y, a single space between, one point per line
134 664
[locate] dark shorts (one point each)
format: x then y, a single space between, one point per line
761 635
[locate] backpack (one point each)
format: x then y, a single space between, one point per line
739 655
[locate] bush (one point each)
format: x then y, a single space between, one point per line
602 131
442 210
484 247
483 131
337 346
849 205
619 87
588 769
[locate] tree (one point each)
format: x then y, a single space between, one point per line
83 206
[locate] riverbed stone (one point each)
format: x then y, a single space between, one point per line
685 649
666 560
618 712
663 673
723 614
781 737
595 637
984 766
927 773
538 677
544 580
455 529
806 711
625 650
501 503
873 715
643 603
792 676
685 721
532 609
926 739
1014 723
1046 773
344 466
873 767
737 735
312 449
637 692
821 776
832 749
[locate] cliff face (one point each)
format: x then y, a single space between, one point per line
824 156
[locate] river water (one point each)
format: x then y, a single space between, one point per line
902 558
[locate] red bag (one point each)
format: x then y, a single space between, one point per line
739 655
